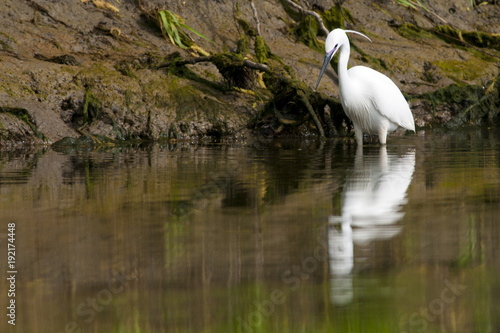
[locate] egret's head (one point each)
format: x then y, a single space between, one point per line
334 41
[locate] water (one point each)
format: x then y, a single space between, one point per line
302 236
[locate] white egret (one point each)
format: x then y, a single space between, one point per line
370 99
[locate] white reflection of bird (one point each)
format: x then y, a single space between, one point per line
370 99
373 195
376 189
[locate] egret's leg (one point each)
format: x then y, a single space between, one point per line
382 135
359 134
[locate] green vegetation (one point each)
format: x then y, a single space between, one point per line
91 107
336 17
411 31
171 27
261 50
469 104
474 38
307 31
24 115
413 4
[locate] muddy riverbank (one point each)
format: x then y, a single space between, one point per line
105 70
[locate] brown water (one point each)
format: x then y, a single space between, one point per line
279 237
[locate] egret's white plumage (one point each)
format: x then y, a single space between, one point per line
370 99
373 194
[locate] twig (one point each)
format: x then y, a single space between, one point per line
255 15
309 12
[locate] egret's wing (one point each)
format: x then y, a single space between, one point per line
385 96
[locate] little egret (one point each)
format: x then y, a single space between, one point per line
370 99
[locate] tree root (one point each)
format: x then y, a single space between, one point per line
309 108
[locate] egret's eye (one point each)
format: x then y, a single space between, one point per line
335 47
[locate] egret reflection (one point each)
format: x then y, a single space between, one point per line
373 195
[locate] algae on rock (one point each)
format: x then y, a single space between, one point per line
468 104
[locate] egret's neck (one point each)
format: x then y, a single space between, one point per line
345 51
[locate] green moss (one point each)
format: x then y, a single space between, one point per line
475 38
128 100
377 63
429 74
482 39
4 45
231 67
175 70
261 50
154 93
6 87
459 71
306 32
411 31
24 115
247 28
100 72
91 107
462 70
189 102
68 69
8 37
333 18
243 45
348 16
448 34
125 68
468 103
336 16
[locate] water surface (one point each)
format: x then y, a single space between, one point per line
301 236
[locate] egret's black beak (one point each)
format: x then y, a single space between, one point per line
328 58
